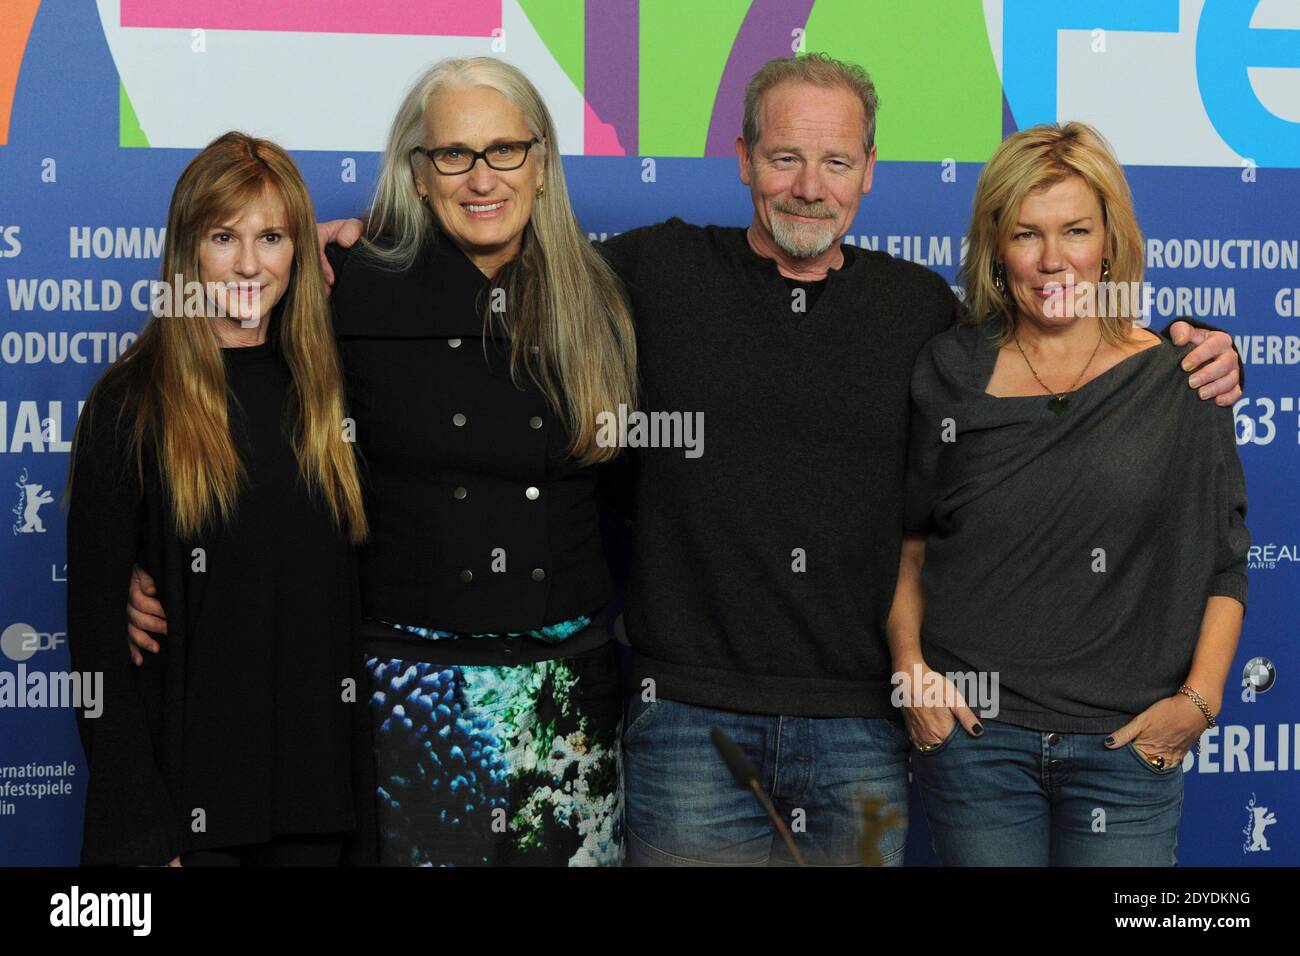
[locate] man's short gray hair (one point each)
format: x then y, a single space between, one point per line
818 69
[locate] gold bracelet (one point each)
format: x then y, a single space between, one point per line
1200 703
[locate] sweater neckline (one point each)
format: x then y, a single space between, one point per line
250 354
762 265
772 289
1129 363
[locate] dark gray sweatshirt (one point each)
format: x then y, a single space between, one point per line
1071 554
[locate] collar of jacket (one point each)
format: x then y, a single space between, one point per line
442 295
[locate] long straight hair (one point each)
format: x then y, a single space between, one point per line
174 371
569 325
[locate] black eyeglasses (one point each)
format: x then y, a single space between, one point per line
457 160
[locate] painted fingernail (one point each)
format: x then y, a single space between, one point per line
977 730
1110 741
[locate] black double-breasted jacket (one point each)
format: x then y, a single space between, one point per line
479 520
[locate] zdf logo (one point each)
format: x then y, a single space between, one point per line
21 641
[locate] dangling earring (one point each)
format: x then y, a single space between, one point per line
1000 277
1105 270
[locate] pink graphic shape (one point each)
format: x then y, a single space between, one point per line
464 18
599 138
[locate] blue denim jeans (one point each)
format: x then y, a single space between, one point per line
1018 797
685 809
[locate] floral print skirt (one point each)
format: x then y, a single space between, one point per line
498 765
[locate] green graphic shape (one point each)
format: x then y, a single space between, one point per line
939 90
684 49
560 24
129 132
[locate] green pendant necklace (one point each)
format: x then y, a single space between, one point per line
1058 403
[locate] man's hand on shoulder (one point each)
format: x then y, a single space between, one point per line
343 232
1213 363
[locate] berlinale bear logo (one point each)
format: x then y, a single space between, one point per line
30 499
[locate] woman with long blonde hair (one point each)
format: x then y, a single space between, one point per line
483 337
214 455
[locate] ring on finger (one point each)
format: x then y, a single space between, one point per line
1157 761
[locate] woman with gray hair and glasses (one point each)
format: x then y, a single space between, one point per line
481 336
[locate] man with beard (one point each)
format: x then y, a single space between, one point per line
763 571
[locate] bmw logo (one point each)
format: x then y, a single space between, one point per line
1260 673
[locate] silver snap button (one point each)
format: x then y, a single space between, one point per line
454 343
535 421
460 494
467 576
458 419
539 574
532 493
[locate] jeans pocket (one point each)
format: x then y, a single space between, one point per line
1165 771
894 730
640 715
931 751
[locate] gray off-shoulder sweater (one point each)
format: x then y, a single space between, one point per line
1071 554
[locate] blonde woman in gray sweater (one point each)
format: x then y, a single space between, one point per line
1077 537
